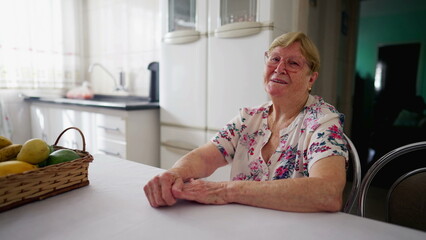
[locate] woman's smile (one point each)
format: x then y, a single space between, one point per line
280 81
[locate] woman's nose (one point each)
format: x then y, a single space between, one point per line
281 68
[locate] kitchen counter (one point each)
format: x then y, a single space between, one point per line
127 103
114 206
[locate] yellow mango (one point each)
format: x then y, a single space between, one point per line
4 142
34 151
14 166
9 152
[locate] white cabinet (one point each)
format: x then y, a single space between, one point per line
110 133
39 127
177 142
60 119
48 121
183 81
132 135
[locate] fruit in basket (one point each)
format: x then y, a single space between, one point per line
62 155
9 152
14 166
44 163
4 142
34 151
51 148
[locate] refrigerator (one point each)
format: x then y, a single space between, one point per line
212 65
183 78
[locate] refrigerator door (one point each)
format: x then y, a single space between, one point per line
232 11
185 21
181 15
183 84
181 37
234 18
239 18
183 61
235 77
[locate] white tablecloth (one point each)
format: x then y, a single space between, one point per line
114 206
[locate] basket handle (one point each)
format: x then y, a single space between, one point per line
81 133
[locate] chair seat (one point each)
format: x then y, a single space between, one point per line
407 200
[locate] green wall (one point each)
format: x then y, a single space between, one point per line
375 31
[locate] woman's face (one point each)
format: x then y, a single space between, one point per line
287 73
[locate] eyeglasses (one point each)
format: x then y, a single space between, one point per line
292 64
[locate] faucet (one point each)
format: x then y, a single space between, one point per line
119 86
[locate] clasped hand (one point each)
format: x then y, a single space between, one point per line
166 188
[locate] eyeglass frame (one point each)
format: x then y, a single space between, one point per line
267 62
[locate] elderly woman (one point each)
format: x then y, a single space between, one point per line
288 154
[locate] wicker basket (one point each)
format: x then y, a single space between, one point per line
22 188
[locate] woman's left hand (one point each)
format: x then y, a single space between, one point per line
201 191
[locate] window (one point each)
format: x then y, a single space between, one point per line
40 43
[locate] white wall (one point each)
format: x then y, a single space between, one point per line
337 50
121 35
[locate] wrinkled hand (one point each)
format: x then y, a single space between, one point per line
159 189
200 191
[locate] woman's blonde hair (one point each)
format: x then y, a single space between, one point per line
307 47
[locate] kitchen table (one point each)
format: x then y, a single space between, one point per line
114 206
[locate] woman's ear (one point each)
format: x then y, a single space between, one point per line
313 78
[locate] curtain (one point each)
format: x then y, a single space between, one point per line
40 43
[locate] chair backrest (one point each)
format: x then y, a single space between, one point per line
356 178
404 200
378 165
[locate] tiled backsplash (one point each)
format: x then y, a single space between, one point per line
121 35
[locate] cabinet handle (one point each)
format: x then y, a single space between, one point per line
110 128
179 151
179 145
117 154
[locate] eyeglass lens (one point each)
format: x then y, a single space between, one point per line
291 63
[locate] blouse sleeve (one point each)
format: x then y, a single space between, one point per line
226 140
327 139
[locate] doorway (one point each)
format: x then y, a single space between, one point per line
395 82
387 110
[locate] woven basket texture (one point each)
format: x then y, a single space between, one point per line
38 184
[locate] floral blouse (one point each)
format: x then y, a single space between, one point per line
316 133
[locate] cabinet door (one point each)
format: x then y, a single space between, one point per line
110 135
110 127
60 119
177 141
169 155
39 122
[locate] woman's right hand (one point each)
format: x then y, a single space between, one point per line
159 189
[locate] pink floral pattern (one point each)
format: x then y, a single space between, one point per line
316 133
